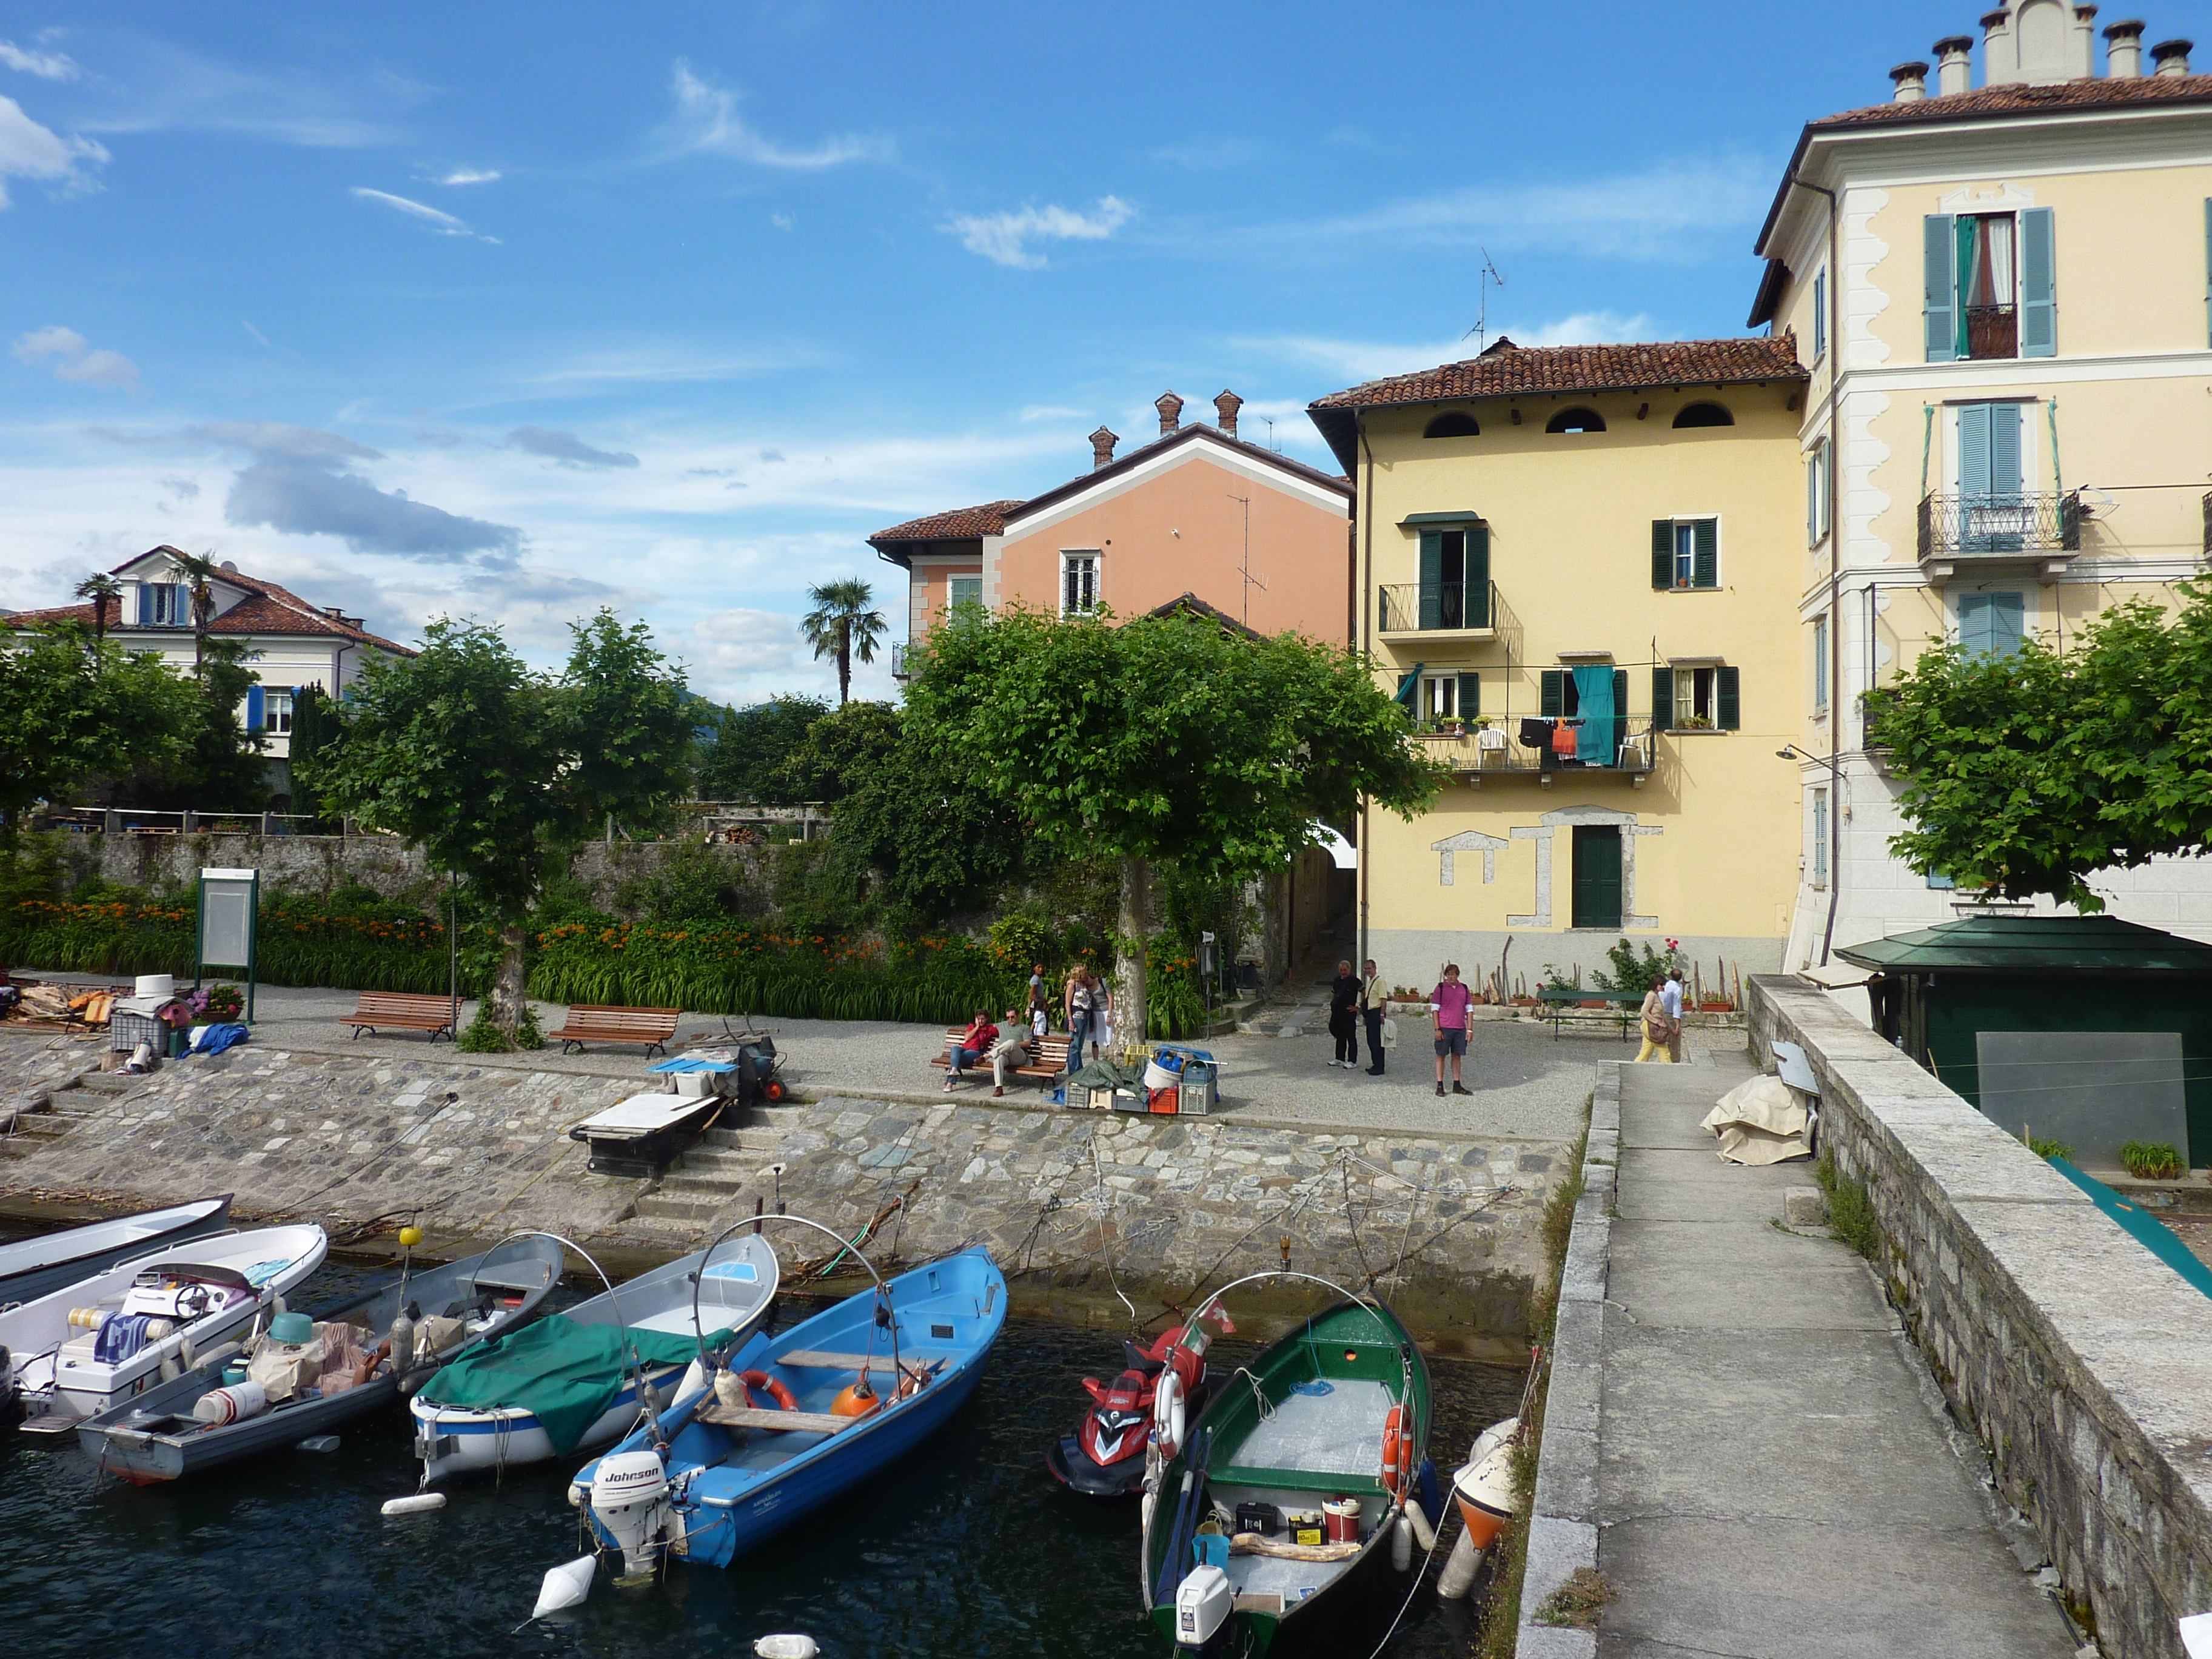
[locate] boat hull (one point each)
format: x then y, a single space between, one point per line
453 1440
101 1245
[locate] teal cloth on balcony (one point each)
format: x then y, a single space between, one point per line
1598 743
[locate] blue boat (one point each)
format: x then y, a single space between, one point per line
718 1472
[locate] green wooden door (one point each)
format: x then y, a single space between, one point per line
1598 875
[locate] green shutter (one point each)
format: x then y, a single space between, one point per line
1477 576
1662 552
1812 495
1706 542
1663 697
1405 695
1553 696
2039 285
1728 710
1470 695
1940 300
2208 270
1619 696
1432 578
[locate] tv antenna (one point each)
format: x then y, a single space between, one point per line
1244 570
1483 282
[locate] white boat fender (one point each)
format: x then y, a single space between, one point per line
785 1647
1424 1534
420 1503
694 1379
1402 1545
1168 1419
233 1403
565 1585
1460 1567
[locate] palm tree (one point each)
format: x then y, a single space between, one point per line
102 590
843 621
197 571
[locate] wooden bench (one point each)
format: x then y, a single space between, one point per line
398 1010
1558 1005
596 1023
1051 1056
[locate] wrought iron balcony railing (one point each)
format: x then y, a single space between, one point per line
1968 527
898 659
1427 607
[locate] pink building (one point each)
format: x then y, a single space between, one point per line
1262 539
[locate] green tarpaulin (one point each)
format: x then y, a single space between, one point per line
564 1374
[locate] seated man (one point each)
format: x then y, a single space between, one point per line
970 1046
1012 1048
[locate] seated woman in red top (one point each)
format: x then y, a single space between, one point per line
970 1046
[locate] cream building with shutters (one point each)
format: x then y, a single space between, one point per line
2003 293
1576 565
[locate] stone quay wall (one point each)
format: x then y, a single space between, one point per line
1081 1208
2082 1362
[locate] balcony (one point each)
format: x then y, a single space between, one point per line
898 659
1992 332
2040 531
1498 751
1438 611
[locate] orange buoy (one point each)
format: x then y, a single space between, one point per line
1484 1490
857 1399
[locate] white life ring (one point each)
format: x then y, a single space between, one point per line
1168 1413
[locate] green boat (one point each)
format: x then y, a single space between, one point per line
1334 1390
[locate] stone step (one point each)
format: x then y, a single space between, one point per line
667 1207
708 1184
737 1162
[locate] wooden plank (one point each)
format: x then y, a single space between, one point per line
815 1359
786 1422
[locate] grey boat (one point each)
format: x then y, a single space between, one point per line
37 1267
156 1437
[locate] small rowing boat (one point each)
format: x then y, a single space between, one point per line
33 1267
356 1358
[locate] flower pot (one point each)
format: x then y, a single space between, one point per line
1591 1002
1721 1007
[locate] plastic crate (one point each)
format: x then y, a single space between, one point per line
125 1031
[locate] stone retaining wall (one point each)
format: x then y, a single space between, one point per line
2082 1363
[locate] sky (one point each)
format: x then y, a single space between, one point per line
514 311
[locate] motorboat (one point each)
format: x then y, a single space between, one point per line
36 1266
794 1420
77 1351
1159 1388
577 1380
356 1358
1296 1513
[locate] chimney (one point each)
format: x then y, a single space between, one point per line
2000 49
1102 448
1911 83
2123 49
1224 411
1954 64
2172 56
1170 408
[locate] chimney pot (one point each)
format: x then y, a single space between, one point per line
2123 49
1224 410
1170 408
1954 64
1102 448
2172 56
1911 83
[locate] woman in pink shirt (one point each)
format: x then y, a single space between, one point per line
1451 999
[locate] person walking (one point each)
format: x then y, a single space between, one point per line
1374 999
1344 1016
1451 1000
1083 1003
970 1046
1651 1017
1670 1000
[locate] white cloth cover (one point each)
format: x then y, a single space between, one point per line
1760 1122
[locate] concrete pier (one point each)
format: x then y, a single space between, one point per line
1739 1437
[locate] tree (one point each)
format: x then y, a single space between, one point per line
2027 772
311 727
78 707
1164 738
103 590
498 772
197 571
837 749
750 745
221 768
843 622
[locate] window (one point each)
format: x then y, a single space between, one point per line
1455 577
1942 881
1698 699
1819 664
164 604
1820 859
1450 697
276 711
1820 315
1816 493
1457 423
1990 282
1577 419
1991 624
963 589
1078 584
1685 553
1560 691
1696 414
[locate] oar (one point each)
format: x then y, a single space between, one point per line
1169 1578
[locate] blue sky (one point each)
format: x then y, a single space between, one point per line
513 311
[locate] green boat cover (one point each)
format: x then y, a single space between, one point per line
563 1374
2143 1226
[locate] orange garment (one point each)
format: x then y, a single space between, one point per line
1563 741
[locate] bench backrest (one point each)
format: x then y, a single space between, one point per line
404 1002
583 1015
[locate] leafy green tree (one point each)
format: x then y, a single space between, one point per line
1164 740
838 751
104 590
750 745
311 728
78 708
843 623
939 836
498 772
223 768
2027 772
199 572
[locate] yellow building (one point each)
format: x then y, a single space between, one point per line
2004 295
1580 566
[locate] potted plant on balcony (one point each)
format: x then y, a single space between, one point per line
1695 723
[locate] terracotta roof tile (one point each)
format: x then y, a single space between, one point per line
1508 368
959 524
267 609
1993 103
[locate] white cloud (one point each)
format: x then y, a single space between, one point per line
1050 413
706 121
1211 155
471 176
1004 238
150 85
566 448
1356 360
782 221
256 333
46 65
445 224
76 359
28 150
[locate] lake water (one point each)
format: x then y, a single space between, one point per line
966 1548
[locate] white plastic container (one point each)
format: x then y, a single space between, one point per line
163 986
232 1404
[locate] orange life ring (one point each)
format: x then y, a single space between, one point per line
770 1386
1397 1452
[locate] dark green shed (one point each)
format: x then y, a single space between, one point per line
1935 990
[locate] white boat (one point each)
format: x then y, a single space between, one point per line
483 1412
106 1338
36 1266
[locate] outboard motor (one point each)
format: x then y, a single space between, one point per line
1203 1603
631 1499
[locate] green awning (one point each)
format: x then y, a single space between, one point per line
1405 686
2034 944
1468 517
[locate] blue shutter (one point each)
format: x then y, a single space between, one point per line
255 701
1974 449
1820 316
1940 303
145 604
2004 449
1812 495
2007 618
2208 270
2039 285
1974 624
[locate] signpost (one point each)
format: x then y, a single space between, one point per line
230 918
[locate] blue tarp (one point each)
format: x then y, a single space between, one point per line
213 1039
2143 1226
1596 743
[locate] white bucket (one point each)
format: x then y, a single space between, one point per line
157 985
1158 1076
